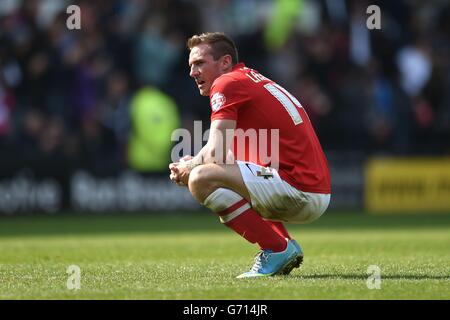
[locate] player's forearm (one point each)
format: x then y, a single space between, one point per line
219 143
210 154
197 159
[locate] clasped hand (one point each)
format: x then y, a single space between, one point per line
179 172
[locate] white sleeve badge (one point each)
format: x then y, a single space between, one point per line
217 101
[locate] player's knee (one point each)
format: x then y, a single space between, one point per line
198 178
201 182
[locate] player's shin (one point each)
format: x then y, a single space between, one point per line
279 228
236 213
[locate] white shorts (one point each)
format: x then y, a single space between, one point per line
277 200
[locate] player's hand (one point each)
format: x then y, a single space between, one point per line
180 178
174 173
179 173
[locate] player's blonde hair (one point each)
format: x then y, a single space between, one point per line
220 44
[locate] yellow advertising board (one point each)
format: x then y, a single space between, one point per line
407 185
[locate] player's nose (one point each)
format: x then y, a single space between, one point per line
194 72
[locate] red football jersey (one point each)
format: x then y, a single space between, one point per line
256 102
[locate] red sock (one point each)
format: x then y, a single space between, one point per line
279 228
252 227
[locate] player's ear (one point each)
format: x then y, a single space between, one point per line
226 62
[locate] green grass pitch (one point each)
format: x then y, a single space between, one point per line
194 257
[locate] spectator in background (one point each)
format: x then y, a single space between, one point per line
154 116
115 110
368 91
156 52
7 104
98 146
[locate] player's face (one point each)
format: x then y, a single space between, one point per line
204 69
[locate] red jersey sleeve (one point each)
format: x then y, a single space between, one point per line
227 96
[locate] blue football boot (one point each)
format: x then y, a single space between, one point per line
268 263
297 261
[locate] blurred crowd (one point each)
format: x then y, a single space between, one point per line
65 94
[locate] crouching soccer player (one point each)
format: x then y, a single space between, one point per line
253 198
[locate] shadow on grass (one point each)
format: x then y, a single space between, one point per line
354 276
